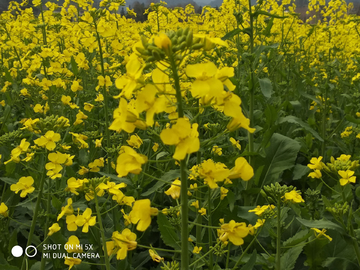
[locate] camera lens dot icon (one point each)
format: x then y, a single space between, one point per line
17 251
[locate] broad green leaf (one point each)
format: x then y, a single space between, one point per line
295 120
352 119
168 177
8 180
314 253
251 262
161 154
243 212
167 231
300 171
231 34
74 66
8 267
322 224
117 179
266 87
339 263
298 238
288 259
263 12
56 203
269 25
231 200
280 156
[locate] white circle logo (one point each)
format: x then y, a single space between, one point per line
17 251
33 255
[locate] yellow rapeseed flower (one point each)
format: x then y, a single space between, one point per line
24 185
141 214
174 190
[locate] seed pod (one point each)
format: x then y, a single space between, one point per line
144 41
197 46
182 46
156 55
175 48
186 31
150 59
179 32
174 40
181 39
189 39
197 40
143 51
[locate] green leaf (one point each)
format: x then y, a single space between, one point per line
117 179
8 267
295 120
243 212
263 12
322 224
298 238
231 34
314 253
289 258
352 119
280 156
8 180
300 171
167 177
167 231
56 203
339 263
269 25
266 87
74 66
231 200
161 154
251 262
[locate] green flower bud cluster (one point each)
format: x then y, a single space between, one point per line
49 122
339 210
94 182
341 165
173 42
9 137
171 266
313 202
221 249
92 134
174 216
275 192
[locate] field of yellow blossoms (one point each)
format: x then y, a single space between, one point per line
222 140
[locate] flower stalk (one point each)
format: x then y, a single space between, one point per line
183 177
106 257
36 211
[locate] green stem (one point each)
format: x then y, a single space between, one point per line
46 227
106 258
207 253
228 256
183 177
184 218
160 249
243 254
355 245
33 223
210 231
278 236
198 196
107 132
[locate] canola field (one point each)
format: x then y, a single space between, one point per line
222 140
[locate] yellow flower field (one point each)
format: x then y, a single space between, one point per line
221 140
